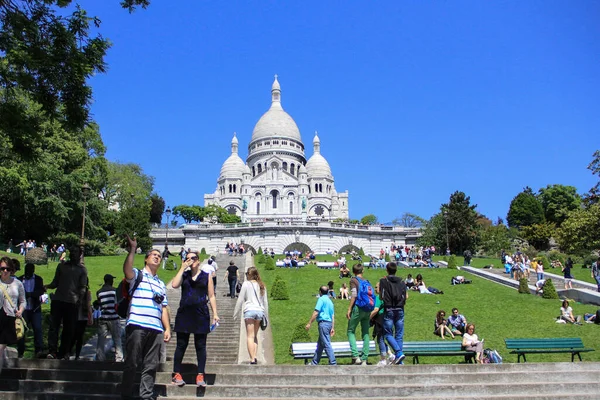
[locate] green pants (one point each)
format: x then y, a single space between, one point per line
359 317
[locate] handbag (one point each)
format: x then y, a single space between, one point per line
20 324
264 322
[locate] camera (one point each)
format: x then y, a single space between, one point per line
158 298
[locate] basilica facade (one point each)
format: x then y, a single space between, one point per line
277 182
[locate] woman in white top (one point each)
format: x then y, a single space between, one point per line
472 343
253 301
566 314
13 288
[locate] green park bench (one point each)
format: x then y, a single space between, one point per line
435 349
520 347
306 351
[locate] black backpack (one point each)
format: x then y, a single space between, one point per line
124 294
392 295
597 320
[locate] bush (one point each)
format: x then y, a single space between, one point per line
361 252
589 260
259 251
203 251
279 290
269 264
549 291
523 286
452 262
387 258
300 335
36 256
259 259
531 251
556 255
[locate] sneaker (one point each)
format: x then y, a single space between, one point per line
391 359
200 382
357 361
363 362
177 379
51 356
399 359
382 363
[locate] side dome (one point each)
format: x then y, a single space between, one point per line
276 122
317 165
233 167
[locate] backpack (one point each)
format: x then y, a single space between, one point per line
365 298
493 356
125 293
392 295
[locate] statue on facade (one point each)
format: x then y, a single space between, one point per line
244 205
303 203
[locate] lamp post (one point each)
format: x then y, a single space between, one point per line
168 213
447 239
85 191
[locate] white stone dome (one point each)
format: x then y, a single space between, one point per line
317 165
234 166
276 122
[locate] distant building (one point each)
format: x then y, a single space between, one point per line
276 182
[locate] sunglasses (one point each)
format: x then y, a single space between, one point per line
192 258
5 269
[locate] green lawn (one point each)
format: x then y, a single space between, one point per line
498 312
583 274
97 267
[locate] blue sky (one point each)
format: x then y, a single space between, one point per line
412 99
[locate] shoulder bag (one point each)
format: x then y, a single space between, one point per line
20 324
264 322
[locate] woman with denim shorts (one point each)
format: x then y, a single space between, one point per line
253 302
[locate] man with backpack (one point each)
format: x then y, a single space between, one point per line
148 323
393 294
362 302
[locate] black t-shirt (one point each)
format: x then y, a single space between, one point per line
231 270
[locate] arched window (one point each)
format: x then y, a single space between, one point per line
316 188
234 188
291 207
259 168
321 187
253 171
285 166
274 194
229 188
257 207
292 169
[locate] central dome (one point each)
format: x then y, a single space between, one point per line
276 122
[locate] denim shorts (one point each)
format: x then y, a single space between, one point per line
256 315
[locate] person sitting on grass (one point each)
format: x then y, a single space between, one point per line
331 292
566 314
457 322
345 272
440 325
344 292
409 281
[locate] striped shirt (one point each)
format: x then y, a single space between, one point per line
144 311
107 296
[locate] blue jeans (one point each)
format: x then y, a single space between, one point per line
382 345
540 276
324 343
394 320
232 285
34 321
598 281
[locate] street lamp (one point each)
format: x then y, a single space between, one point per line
168 213
447 239
85 191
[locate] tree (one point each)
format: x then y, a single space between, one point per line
494 238
369 219
157 208
580 232
593 196
434 232
409 220
525 209
48 56
463 229
558 201
538 235
189 213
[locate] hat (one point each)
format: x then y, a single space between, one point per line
109 277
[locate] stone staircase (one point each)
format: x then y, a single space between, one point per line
54 379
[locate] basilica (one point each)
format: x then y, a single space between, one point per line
276 182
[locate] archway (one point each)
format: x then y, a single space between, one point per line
348 249
248 248
297 246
